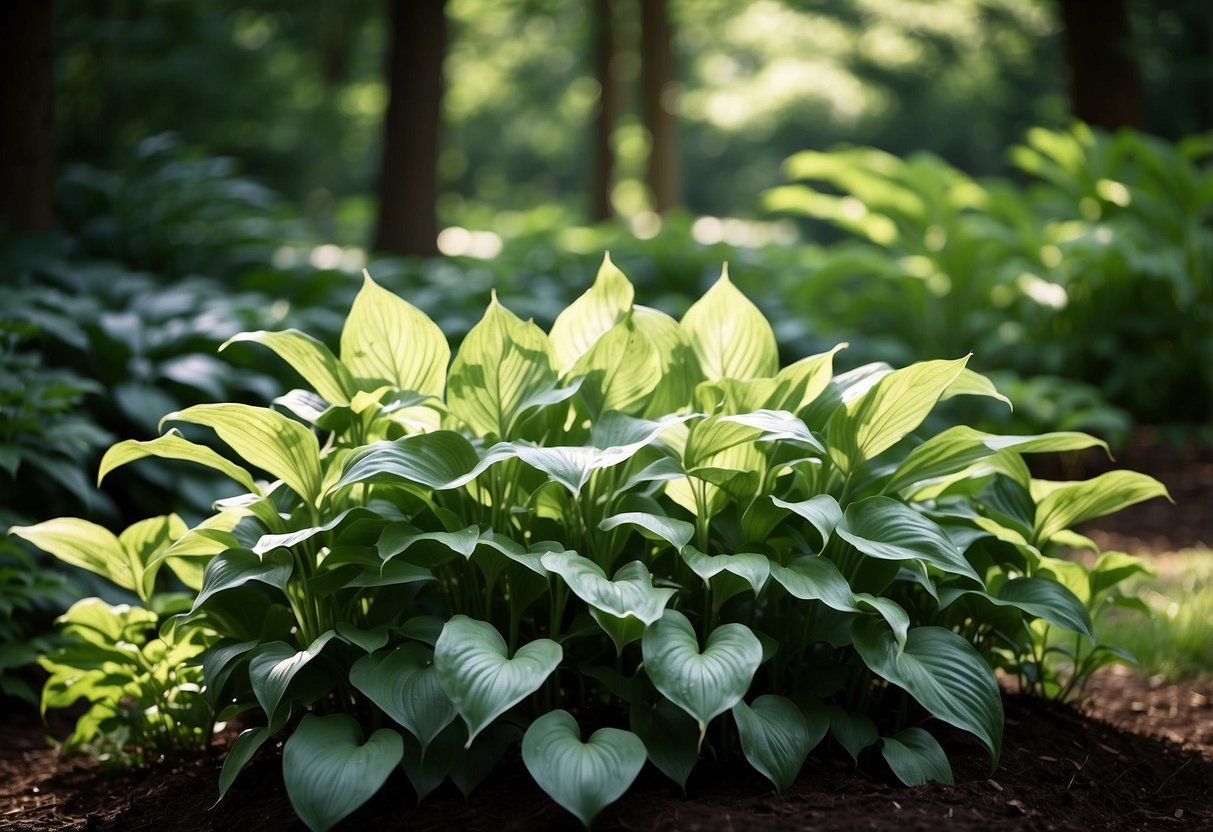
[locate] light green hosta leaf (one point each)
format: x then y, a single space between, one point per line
800 383
622 606
621 370
1038 598
503 363
87 546
1114 567
309 358
680 370
970 383
670 736
942 672
440 460
854 732
265 438
404 684
730 336
583 777
329 771
677 533
706 682
777 425
959 447
236 567
173 446
583 322
714 435
774 737
144 541
1071 503
273 666
916 757
388 341
881 527
877 420
571 466
822 512
476 673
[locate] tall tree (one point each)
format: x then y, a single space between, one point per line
659 105
408 180
27 103
1105 83
605 49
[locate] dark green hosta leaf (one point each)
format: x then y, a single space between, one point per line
591 316
670 735
173 446
476 673
1074 502
731 337
877 420
329 771
236 567
822 512
441 460
706 682
308 357
624 605
815 578
854 732
265 438
774 737
387 341
916 757
884 528
244 748
1038 598
405 684
274 665
728 575
427 767
428 548
677 533
583 777
942 672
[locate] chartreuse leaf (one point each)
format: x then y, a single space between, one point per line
1072 503
503 363
329 772
583 777
730 336
620 370
774 737
971 383
622 606
404 684
916 757
801 382
680 370
877 420
387 341
265 438
706 682
583 322
85 545
669 734
144 541
173 446
309 358
884 528
480 678
942 671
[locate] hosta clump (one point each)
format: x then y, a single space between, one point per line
630 516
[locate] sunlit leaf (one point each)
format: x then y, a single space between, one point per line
308 357
388 341
730 336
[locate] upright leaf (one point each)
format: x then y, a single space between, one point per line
730 336
774 737
916 757
584 321
309 358
404 683
388 341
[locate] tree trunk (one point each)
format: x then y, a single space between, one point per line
1105 84
608 111
659 104
408 182
27 149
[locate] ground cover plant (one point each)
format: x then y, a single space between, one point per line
632 525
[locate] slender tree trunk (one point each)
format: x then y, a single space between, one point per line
1105 84
27 149
608 111
659 104
408 182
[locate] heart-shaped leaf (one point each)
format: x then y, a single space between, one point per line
328 770
671 737
583 777
916 757
405 684
774 737
854 732
620 371
237 567
477 674
703 683
274 665
629 596
591 316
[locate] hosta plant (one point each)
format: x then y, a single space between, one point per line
643 521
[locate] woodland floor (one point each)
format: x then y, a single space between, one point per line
1138 754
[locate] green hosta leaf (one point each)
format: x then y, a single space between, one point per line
1072 503
476 762
274 665
727 575
958 447
583 777
970 383
476 673
173 446
265 438
800 383
670 736
730 336
815 578
895 405
309 358
881 527
713 436
774 737
244 748
822 512
942 672
677 533
440 460
571 466
916 757
388 341
236 567
622 606
707 682
854 732
328 770
399 538
426 768
777 425
404 683
583 322
1038 598
144 541
502 364
87 546
269 542
680 370
620 371
1114 567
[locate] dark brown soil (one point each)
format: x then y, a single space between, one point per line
1137 755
